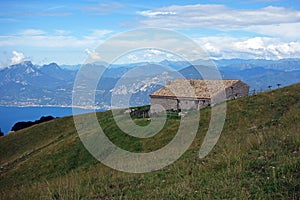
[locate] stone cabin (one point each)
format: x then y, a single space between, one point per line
187 94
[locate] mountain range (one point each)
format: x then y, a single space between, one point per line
27 84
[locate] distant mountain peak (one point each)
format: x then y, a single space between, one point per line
52 65
29 70
26 63
22 64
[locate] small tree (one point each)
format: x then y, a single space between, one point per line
1 133
270 86
278 85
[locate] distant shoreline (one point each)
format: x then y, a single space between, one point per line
11 114
55 106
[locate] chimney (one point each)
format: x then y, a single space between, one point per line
192 82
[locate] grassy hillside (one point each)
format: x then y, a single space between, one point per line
256 157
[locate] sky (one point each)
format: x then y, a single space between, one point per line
66 32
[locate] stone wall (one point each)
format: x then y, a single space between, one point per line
237 90
187 104
196 104
177 104
166 103
203 103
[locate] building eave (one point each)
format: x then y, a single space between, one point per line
176 97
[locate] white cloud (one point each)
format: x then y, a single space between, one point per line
224 18
213 50
96 34
17 57
132 58
44 14
149 13
255 43
103 8
275 30
155 52
157 55
255 47
60 39
287 30
93 55
45 41
55 8
32 32
62 32
146 55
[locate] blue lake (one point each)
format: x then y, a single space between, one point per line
10 115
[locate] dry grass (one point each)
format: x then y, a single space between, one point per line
256 157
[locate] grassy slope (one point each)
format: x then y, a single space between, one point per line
257 156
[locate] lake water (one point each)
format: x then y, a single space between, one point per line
10 115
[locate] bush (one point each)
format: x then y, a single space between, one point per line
22 125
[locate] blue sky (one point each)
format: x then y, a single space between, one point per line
66 32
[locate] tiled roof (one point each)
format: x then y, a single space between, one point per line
194 88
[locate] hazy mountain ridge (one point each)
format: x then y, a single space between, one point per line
27 84
289 64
